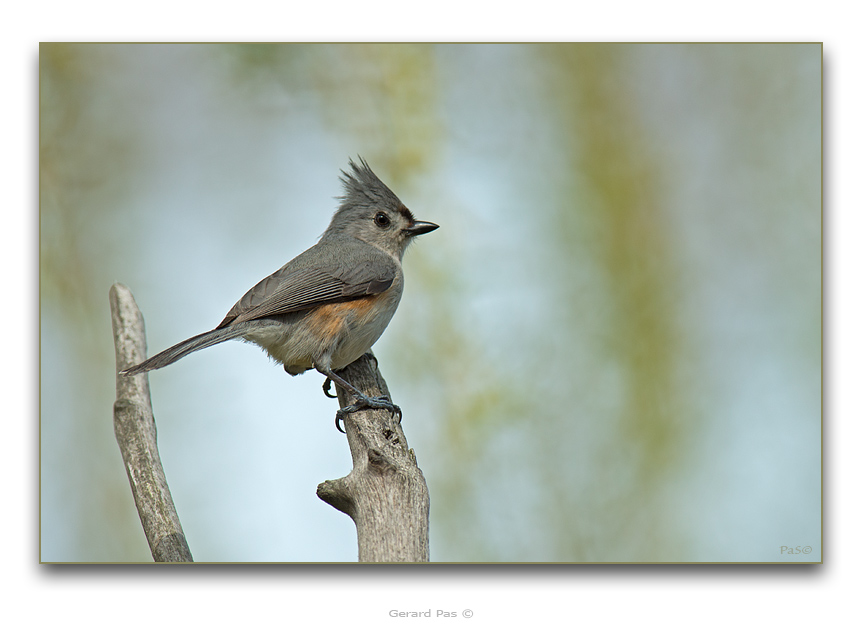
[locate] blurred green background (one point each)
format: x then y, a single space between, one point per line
610 350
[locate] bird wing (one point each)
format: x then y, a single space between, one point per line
301 285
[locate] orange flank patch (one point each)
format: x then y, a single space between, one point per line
328 320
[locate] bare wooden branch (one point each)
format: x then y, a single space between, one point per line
135 430
385 494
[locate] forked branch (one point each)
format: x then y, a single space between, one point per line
385 494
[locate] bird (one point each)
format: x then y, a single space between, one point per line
326 307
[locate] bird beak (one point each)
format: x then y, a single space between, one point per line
420 228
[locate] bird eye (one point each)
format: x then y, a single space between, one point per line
381 219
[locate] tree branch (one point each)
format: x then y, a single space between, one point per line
135 430
385 494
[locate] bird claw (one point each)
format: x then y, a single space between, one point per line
364 402
327 385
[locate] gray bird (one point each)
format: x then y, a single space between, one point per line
325 308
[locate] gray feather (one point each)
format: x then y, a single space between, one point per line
183 348
342 270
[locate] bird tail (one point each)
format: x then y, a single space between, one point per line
183 348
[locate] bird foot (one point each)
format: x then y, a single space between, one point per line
363 403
